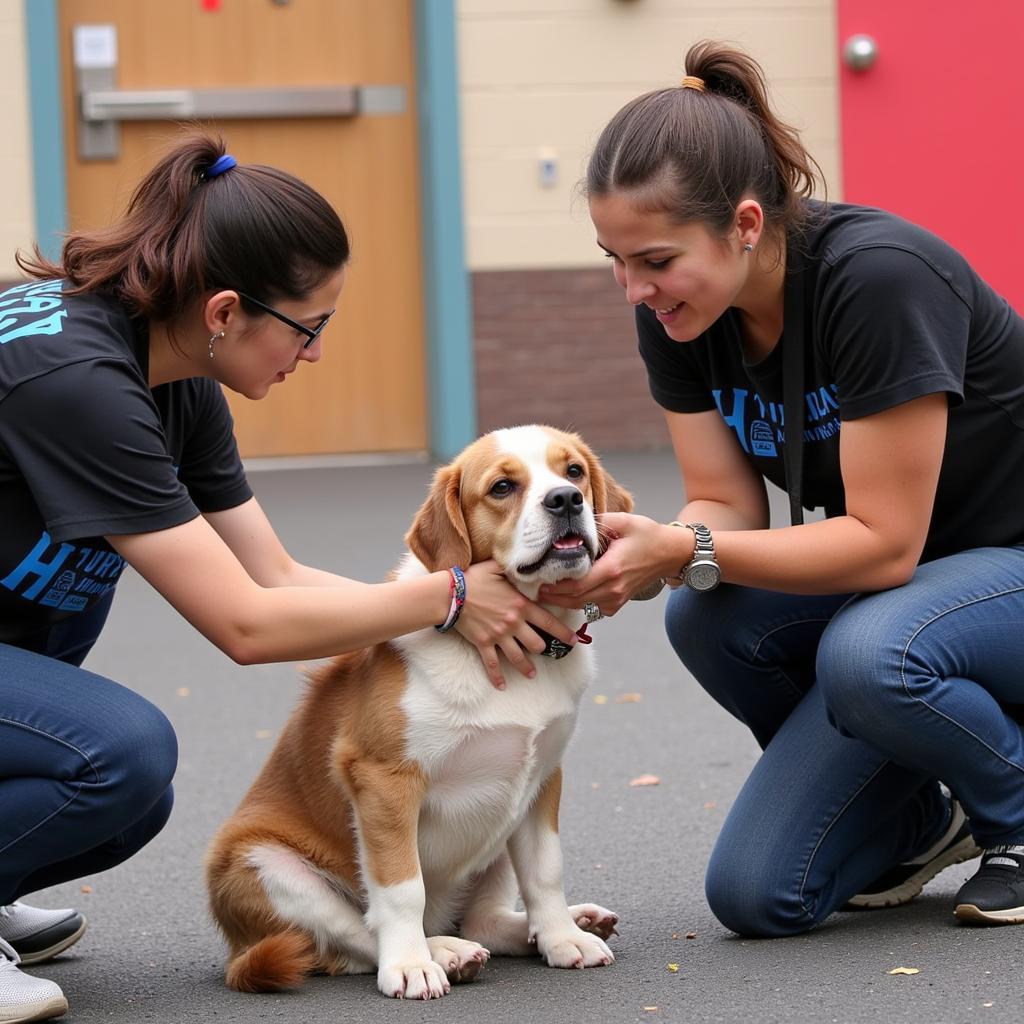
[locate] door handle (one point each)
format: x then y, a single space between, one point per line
102 106
99 105
860 52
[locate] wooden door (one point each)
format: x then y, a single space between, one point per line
368 393
931 129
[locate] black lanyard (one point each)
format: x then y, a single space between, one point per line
793 382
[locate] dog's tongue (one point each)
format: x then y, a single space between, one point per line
569 541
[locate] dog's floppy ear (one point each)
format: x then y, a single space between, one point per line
616 497
438 536
609 496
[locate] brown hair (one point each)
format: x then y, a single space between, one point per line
694 154
252 228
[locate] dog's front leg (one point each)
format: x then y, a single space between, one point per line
537 857
387 801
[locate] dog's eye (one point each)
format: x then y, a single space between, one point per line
574 472
502 489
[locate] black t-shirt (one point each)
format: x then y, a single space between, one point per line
88 450
890 313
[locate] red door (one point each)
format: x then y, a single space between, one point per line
933 129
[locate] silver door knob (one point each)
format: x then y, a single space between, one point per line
860 52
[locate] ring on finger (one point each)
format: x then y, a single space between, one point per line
592 612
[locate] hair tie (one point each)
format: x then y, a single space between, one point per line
693 82
220 165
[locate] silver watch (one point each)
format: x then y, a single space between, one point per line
702 572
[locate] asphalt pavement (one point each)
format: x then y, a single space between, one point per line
153 954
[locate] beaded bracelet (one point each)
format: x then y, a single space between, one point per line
458 592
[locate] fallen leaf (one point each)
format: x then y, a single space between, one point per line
600 699
645 780
629 698
905 970
86 888
673 968
183 691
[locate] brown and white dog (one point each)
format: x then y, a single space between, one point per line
406 796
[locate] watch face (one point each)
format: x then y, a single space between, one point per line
703 576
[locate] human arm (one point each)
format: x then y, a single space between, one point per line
890 465
231 577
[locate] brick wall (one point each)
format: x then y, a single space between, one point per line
559 347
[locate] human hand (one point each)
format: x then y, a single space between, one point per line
639 551
496 619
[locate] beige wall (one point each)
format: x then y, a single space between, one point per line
538 78
542 77
17 217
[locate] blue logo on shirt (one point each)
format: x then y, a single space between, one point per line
89 575
767 420
30 309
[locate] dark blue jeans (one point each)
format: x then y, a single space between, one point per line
85 764
861 704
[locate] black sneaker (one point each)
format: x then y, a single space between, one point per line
995 895
900 884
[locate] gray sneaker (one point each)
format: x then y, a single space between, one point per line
39 935
24 998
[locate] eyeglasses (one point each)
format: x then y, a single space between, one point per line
311 333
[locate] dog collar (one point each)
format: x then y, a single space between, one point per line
555 648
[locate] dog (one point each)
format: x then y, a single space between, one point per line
408 802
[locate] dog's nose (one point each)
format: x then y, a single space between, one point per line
564 501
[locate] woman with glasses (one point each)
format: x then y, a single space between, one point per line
116 448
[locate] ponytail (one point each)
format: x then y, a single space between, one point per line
198 222
695 150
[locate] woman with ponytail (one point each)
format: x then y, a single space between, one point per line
858 362
116 448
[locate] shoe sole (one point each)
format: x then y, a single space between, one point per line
41 956
966 849
975 915
56 1007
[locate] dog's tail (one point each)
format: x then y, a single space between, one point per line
277 962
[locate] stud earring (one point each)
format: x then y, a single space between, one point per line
213 338
748 247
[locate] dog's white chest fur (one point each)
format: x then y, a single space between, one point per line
484 752
480 792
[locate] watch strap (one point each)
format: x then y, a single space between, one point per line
703 547
704 544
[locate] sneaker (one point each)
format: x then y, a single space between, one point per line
995 895
24 998
39 935
900 884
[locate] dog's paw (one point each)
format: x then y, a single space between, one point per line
594 919
460 958
574 948
413 981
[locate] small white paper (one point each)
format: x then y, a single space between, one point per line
95 46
